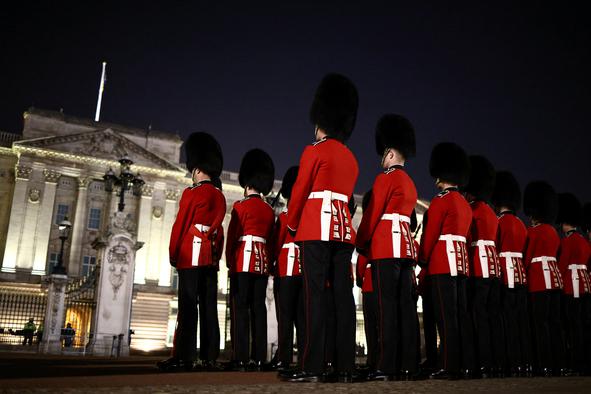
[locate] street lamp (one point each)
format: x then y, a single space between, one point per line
64 227
125 180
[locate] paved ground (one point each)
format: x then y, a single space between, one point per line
36 374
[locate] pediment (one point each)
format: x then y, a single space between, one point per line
104 144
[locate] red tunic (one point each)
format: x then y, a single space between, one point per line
364 272
484 262
540 258
250 228
443 242
286 254
385 227
574 256
201 211
318 206
511 240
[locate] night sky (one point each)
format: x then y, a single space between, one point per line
509 81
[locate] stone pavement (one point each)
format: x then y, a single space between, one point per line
64 375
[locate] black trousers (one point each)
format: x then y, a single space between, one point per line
444 292
586 321
517 329
573 329
546 324
468 357
249 313
321 261
330 344
397 315
186 331
290 315
429 325
209 327
370 317
488 326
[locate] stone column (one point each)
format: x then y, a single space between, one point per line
79 225
54 315
170 211
143 234
153 241
44 222
116 256
17 214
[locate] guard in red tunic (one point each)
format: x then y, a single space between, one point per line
201 211
369 300
384 236
443 250
544 280
574 255
511 239
247 258
485 270
289 295
320 218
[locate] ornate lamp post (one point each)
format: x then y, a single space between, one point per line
64 227
125 181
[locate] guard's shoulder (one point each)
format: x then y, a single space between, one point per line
442 193
390 170
319 142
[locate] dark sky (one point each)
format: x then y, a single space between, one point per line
510 81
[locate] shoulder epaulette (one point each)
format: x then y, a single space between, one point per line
389 170
443 193
319 142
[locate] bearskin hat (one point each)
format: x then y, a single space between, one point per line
481 182
449 163
586 226
334 108
570 210
257 171
540 202
288 181
202 151
217 182
506 192
395 131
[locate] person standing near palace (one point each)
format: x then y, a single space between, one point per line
290 295
369 300
384 236
247 258
540 204
443 251
320 219
511 240
485 270
574 255
201 211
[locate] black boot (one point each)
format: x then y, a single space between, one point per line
443 374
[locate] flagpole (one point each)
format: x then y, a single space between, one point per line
100 94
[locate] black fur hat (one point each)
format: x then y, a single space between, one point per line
481 182
202 151
334 108
570 210
586 226
449 163
395 131
217 182
257 171
540 202
288 181
506 192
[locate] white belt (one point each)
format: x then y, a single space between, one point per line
574 274
509 256
545 268
248 240
451 251
396 218
291 255
327 197
483 256
197 245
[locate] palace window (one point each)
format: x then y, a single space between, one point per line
88 263
62 212
94 219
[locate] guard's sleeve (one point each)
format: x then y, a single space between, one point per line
431 230
179 226
234 232
373 214
302 187
279 235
